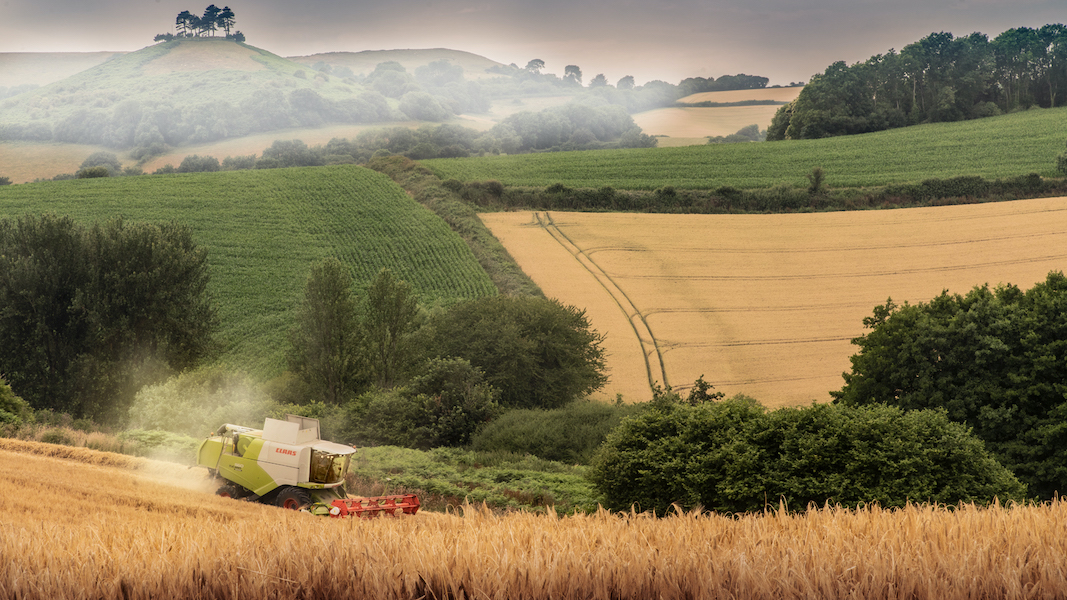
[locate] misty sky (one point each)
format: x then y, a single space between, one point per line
785 40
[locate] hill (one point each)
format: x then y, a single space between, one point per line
42 68
1004 146
264 230
363 63
184 91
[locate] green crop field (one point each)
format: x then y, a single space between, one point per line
1005 146
265 229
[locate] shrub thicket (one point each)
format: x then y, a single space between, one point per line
570 434
735 456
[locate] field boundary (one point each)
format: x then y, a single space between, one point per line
642 331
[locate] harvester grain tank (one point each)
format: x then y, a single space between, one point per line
288 465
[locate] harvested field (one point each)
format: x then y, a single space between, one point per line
698 123
766 305
97 531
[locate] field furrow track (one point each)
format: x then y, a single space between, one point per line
767 305
649 348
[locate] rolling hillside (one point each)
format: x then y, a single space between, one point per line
1004 146
362 63
264 230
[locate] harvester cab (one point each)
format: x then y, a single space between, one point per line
288 465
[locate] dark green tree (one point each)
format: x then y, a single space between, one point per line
390 321
226 20
88 316
325 343
209 23
537 352
995 360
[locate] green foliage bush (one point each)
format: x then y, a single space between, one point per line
161 445
570 434
734 456
13 410
537 352
196 402
994 359
57 436
444 406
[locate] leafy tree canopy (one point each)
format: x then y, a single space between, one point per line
994 359
89 315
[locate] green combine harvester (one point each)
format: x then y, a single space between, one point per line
287 465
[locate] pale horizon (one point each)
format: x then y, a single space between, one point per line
656 39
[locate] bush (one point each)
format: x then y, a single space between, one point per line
13 409
195 403
570 434
92 172
735 456
445 406
539 353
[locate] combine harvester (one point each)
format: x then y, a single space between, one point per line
287 465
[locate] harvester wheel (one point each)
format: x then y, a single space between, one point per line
293 498
227 491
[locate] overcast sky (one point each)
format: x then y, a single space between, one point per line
785 40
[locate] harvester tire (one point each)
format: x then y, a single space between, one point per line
293 498
227 491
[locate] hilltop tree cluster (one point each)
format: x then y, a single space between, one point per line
213 19
939 78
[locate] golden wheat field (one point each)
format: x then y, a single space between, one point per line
692 125
781 94
84 527
766 305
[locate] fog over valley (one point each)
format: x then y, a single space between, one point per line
659 39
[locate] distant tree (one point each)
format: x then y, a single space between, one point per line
238 37
535 65
290 153
163 37
573 74
598 81
195 163
210 21
5 180
184 22
626 83
324 344
103 159
226 20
